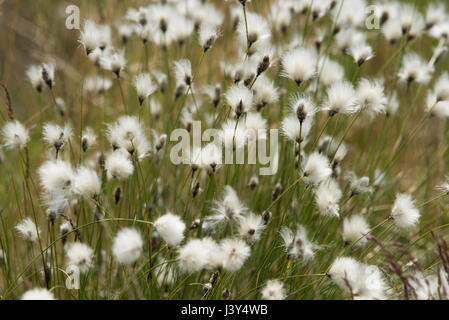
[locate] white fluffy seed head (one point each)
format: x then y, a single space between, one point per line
90 36
233 134
144 86
229 208
235 252
364 282
15 135
327 198
127 246
354 228
280 16
299 64
38 294
347 37
441 87
87 182
392 105
414 69
293 130
404 212
444 187
199 254
113 61
434 107
349 13
358 185
331 71
34 75
65 227
125 31
27 229
426 287
341 98
181 29
97 84
302 106
251 227
371 97
128 133
211 156
392 30
48 74
361 52
408 16
88 139
274 290
171 228
265 92
440 31
104 34
57 136
79 255
297 244
213 92
183 72
208 34
436 13
254 122
259 33
240 99
56 177
316 169
118 165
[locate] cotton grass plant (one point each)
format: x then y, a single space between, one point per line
355 209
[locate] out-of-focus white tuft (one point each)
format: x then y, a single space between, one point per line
144 86
341 98
404 212
118 165
371 97
274 290
28 230
57 136
327 198
15 135
87 182
316 169
297 245
251 227
38 294
240 99
235 252
362 281
79 255
127 246
414 69
229 208
171 228
355 228
299 64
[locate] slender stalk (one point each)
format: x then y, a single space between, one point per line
122 95
432 200
246 30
